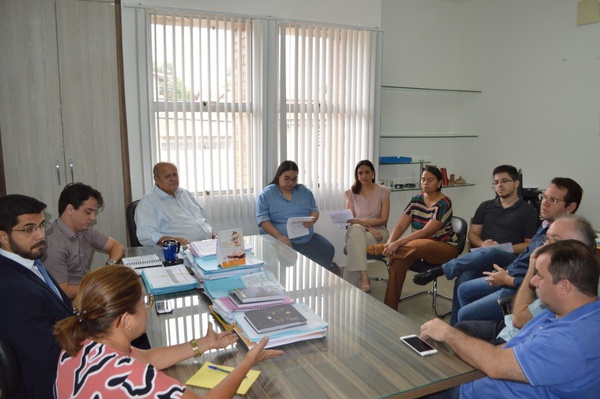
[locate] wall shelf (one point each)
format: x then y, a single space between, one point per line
428 136
407 89
443 188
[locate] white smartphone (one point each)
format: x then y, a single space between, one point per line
418 345
163 306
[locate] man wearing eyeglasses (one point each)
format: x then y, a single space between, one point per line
478 299
32 301
72 240
506 219
168 212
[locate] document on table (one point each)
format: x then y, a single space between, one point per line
506 246
295 228
340 218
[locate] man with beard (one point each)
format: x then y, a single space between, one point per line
506 219
31 300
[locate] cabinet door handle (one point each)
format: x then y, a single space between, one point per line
58 171
72 174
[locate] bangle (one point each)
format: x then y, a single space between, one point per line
195 348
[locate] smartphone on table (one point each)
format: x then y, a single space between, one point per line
418 345
163 307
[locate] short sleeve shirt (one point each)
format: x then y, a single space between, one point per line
69 254
368 208
513 224
420 214
99 371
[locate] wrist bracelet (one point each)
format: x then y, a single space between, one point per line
195 347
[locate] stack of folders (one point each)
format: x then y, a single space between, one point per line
283 324
165 280
252 298
219 288
206 248
208 267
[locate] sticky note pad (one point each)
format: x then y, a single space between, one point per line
208 378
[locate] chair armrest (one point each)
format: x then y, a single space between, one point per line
506 304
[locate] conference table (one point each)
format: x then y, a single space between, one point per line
361 357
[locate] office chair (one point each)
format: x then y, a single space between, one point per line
10 371
131 228
373 259
460 227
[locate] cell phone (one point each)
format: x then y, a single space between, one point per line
418 345
163 307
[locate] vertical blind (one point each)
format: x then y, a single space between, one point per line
214 114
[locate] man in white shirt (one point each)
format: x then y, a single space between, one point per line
169 212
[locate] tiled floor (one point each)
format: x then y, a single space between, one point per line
417 308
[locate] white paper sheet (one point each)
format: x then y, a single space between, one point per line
340 218
295 228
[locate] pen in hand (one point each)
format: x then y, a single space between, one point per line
222 370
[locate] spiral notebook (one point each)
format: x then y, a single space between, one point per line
274 318
138 263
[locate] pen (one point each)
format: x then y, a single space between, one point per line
220 369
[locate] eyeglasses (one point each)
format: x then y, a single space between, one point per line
33 229
148 300
550 239
503 181
544 197
290 179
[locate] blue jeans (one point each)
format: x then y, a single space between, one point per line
319 250
479 300
471 266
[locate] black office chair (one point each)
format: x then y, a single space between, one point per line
10 371
375 258
460 227
131 228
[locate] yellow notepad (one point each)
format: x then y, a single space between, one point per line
207 378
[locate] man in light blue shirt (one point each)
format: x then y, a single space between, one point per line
169 212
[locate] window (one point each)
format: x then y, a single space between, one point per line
232 97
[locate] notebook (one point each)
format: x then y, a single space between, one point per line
138 263
258 294
274 318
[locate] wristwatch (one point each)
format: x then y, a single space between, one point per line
111 262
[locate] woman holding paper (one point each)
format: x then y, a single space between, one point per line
432 238
370 204
287 211
98 359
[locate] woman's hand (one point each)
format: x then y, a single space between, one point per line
391 248
257 354
212 340
285 240
308 224
376 234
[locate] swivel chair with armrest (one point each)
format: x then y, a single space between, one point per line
460 227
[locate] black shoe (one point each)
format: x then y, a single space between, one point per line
428 275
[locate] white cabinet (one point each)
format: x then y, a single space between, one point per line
59 105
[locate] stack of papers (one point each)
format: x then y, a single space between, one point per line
208 267
165 280
314 328
204 248
221 287
227 308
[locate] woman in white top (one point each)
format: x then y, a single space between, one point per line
370 205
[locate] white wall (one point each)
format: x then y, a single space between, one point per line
540 77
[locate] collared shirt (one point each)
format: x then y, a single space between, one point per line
27 263
274 207
513 224
160 214
68 254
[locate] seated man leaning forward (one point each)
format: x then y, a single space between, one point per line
72 240
168 212
556 354
506 219
478 298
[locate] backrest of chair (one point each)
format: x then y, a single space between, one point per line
10 371
131 228
460 227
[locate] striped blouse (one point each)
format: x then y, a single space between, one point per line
420 214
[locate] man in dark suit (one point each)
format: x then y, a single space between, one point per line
31 300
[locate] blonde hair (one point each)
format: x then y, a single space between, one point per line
104 295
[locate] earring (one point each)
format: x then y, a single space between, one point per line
129 328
